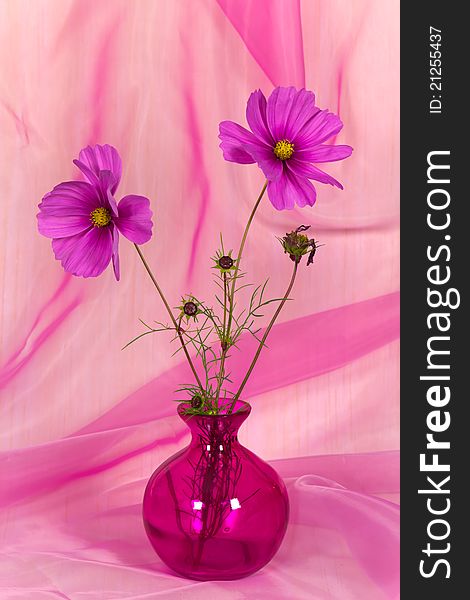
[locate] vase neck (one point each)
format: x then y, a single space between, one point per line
215 430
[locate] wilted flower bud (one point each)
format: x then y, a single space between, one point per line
297 244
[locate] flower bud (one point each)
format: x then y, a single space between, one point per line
225 262
190 309
196 402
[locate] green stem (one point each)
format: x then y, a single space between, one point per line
220 375
240 251
225 299
231 295
263 339
173 320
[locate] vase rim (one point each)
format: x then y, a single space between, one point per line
241 408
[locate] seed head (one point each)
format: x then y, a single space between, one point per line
225 262
190 308
196 402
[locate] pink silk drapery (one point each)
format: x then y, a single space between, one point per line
83 424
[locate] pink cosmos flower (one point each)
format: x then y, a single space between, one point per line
287 135
84 220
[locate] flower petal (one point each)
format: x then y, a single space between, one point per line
319 154
94 159
116 264
86 254
53 226
105 187
303 169
302 110
279 105
73 195
289 190
135 219
239 144
272 168
318 129
256 117
65 211
288 110
89 174
306 194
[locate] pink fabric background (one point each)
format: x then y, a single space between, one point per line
83 424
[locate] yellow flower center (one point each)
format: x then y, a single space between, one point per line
100 217
284 149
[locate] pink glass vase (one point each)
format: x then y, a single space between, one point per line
215 510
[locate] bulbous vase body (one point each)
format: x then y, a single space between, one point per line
215 510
